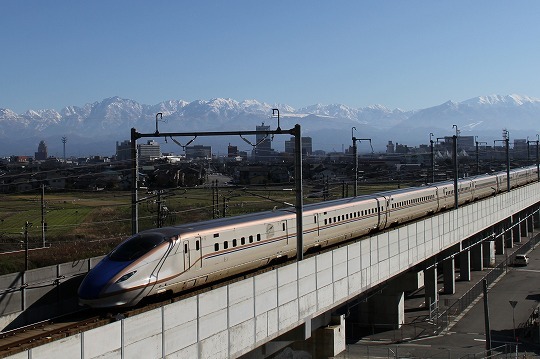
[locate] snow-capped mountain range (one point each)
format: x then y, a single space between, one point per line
95 127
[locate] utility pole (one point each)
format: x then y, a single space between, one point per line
506 136
159 219
26 226
355 150
506 140
478 157
43 224
486 319
537 159
455 154
296 132
64 140
432 158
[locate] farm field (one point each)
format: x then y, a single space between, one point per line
87 224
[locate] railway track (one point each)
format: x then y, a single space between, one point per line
31 336
37 334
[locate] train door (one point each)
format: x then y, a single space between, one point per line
384 210
185 248
198 252
285 229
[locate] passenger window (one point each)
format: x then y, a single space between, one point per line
250 239
216 247
234 242
242 240
225 245
197 245
283 226
258 237
216 235
325 221
185 247
314 219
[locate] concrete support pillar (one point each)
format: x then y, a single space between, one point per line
530 222
326 342
430 284
516 231
389 309
465 265
523 224
384 310
509 239
477 261
488 253
499 238
449 275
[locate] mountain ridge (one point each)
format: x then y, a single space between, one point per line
112 118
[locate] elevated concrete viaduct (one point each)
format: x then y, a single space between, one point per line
258 316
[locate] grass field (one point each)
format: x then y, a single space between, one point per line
87 224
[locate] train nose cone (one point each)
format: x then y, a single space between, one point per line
99 277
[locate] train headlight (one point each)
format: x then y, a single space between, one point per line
126 276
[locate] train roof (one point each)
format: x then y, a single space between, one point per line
255 216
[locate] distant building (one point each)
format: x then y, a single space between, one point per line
41 154
232 151
123 150
149 151
263 150
307 146
521 148
198 151
466 143
401 148
390 147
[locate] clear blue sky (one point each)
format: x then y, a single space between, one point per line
406 54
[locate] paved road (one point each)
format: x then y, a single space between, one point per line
467 335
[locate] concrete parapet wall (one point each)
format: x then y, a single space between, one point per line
30 296
234 320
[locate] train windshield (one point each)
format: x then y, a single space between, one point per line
136 246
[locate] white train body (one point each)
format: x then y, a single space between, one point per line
181 257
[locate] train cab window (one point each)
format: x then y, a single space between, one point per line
250 239
197 245
136 246
216 247
258 237
234 242
216 235
243 240
225 245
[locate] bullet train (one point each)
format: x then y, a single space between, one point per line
176 258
